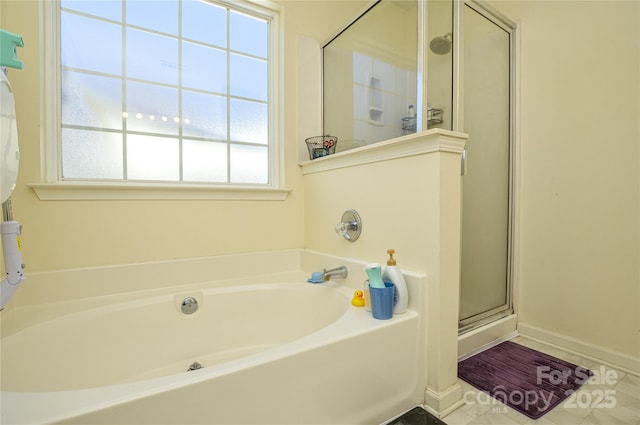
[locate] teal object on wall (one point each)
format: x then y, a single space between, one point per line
9 42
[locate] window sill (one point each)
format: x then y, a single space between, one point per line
77 191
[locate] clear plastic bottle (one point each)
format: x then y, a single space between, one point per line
393 274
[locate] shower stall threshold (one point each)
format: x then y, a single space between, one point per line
487 335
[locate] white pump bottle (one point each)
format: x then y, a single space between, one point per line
392 273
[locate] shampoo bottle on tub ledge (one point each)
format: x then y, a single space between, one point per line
375 275
393 274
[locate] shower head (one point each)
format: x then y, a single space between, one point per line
441 45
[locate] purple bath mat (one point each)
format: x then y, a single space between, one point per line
526 380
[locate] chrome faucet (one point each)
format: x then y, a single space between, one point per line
337 272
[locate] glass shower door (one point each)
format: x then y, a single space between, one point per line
485 262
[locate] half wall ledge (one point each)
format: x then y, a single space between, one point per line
433 140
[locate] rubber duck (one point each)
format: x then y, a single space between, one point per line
358 299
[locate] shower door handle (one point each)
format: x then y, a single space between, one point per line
463 163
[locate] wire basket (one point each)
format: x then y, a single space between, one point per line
320 146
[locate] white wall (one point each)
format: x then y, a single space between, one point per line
579 250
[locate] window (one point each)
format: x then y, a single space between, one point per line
170 91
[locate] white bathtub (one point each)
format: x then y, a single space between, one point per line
272 353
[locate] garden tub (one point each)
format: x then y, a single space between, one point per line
276 353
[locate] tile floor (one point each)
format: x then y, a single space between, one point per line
416 416
610 397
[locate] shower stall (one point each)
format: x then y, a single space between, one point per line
407 66
487 79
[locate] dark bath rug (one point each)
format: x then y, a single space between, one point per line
531 382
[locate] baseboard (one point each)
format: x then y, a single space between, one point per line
442 403
600 354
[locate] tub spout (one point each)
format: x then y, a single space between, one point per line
337 273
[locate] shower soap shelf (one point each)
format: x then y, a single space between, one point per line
434 117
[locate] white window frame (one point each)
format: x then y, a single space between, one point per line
53 187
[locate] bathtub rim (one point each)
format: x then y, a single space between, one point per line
114 283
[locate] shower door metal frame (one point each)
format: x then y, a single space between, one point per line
510 27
